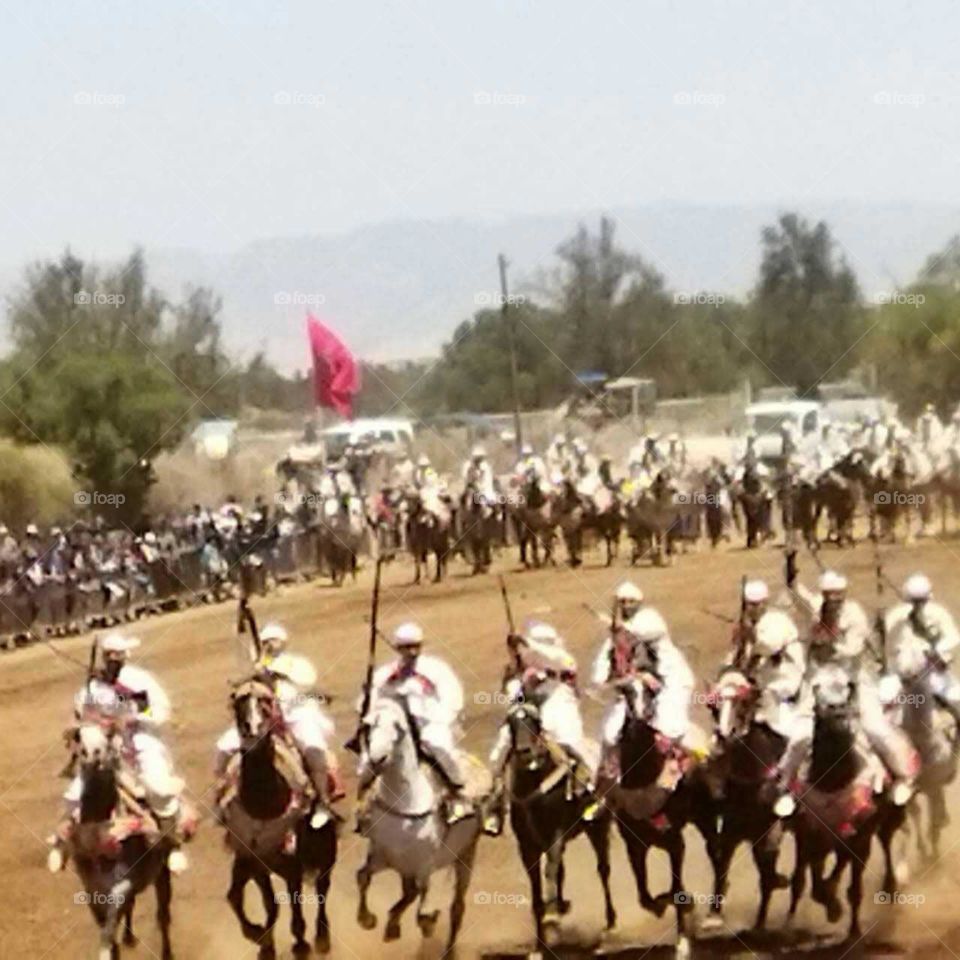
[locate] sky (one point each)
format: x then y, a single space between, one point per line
207 124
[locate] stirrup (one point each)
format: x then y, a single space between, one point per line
456 810
784 806
321 817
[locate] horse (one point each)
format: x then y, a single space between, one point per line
267 821
933 733
408 830
427 532
744 769
115 845
568 507
653 795
479 527
839 806
534 521
342 529
546 812
605 517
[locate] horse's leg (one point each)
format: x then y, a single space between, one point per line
563 906
322 887
530 856
262 879
637 852
939 818
855 890
242 872
365 917
116 904
598 834
681 899
724 849
463 870
129 937
298 926
765 853
799 873
824 890
551 874
410 889
163 887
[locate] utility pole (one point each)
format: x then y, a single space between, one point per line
511 340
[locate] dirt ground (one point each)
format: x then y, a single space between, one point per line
195 655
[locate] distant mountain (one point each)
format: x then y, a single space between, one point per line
399 289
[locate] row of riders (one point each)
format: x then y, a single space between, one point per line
822 726
662 501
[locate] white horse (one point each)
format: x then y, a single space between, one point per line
406 826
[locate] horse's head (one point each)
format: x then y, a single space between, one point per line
526 735
733 697
834 760
386 731
255 711
97 748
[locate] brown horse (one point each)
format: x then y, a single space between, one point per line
267 819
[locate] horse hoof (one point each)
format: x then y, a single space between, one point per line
130 939
267 953
551 933
367 920
563 906
683 948
428 923
392 932
322 943
301 949
901 873
711 923
834 910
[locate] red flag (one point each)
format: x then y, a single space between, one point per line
336 375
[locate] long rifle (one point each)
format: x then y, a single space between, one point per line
740 657
880 619
374 633
514 667
247 622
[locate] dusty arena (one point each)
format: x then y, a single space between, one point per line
195 654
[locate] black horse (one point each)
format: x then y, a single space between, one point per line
546 812
839 811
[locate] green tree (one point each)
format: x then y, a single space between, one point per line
806 309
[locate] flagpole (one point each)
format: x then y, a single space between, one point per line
511 340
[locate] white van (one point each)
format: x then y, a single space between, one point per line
767 419
383 434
